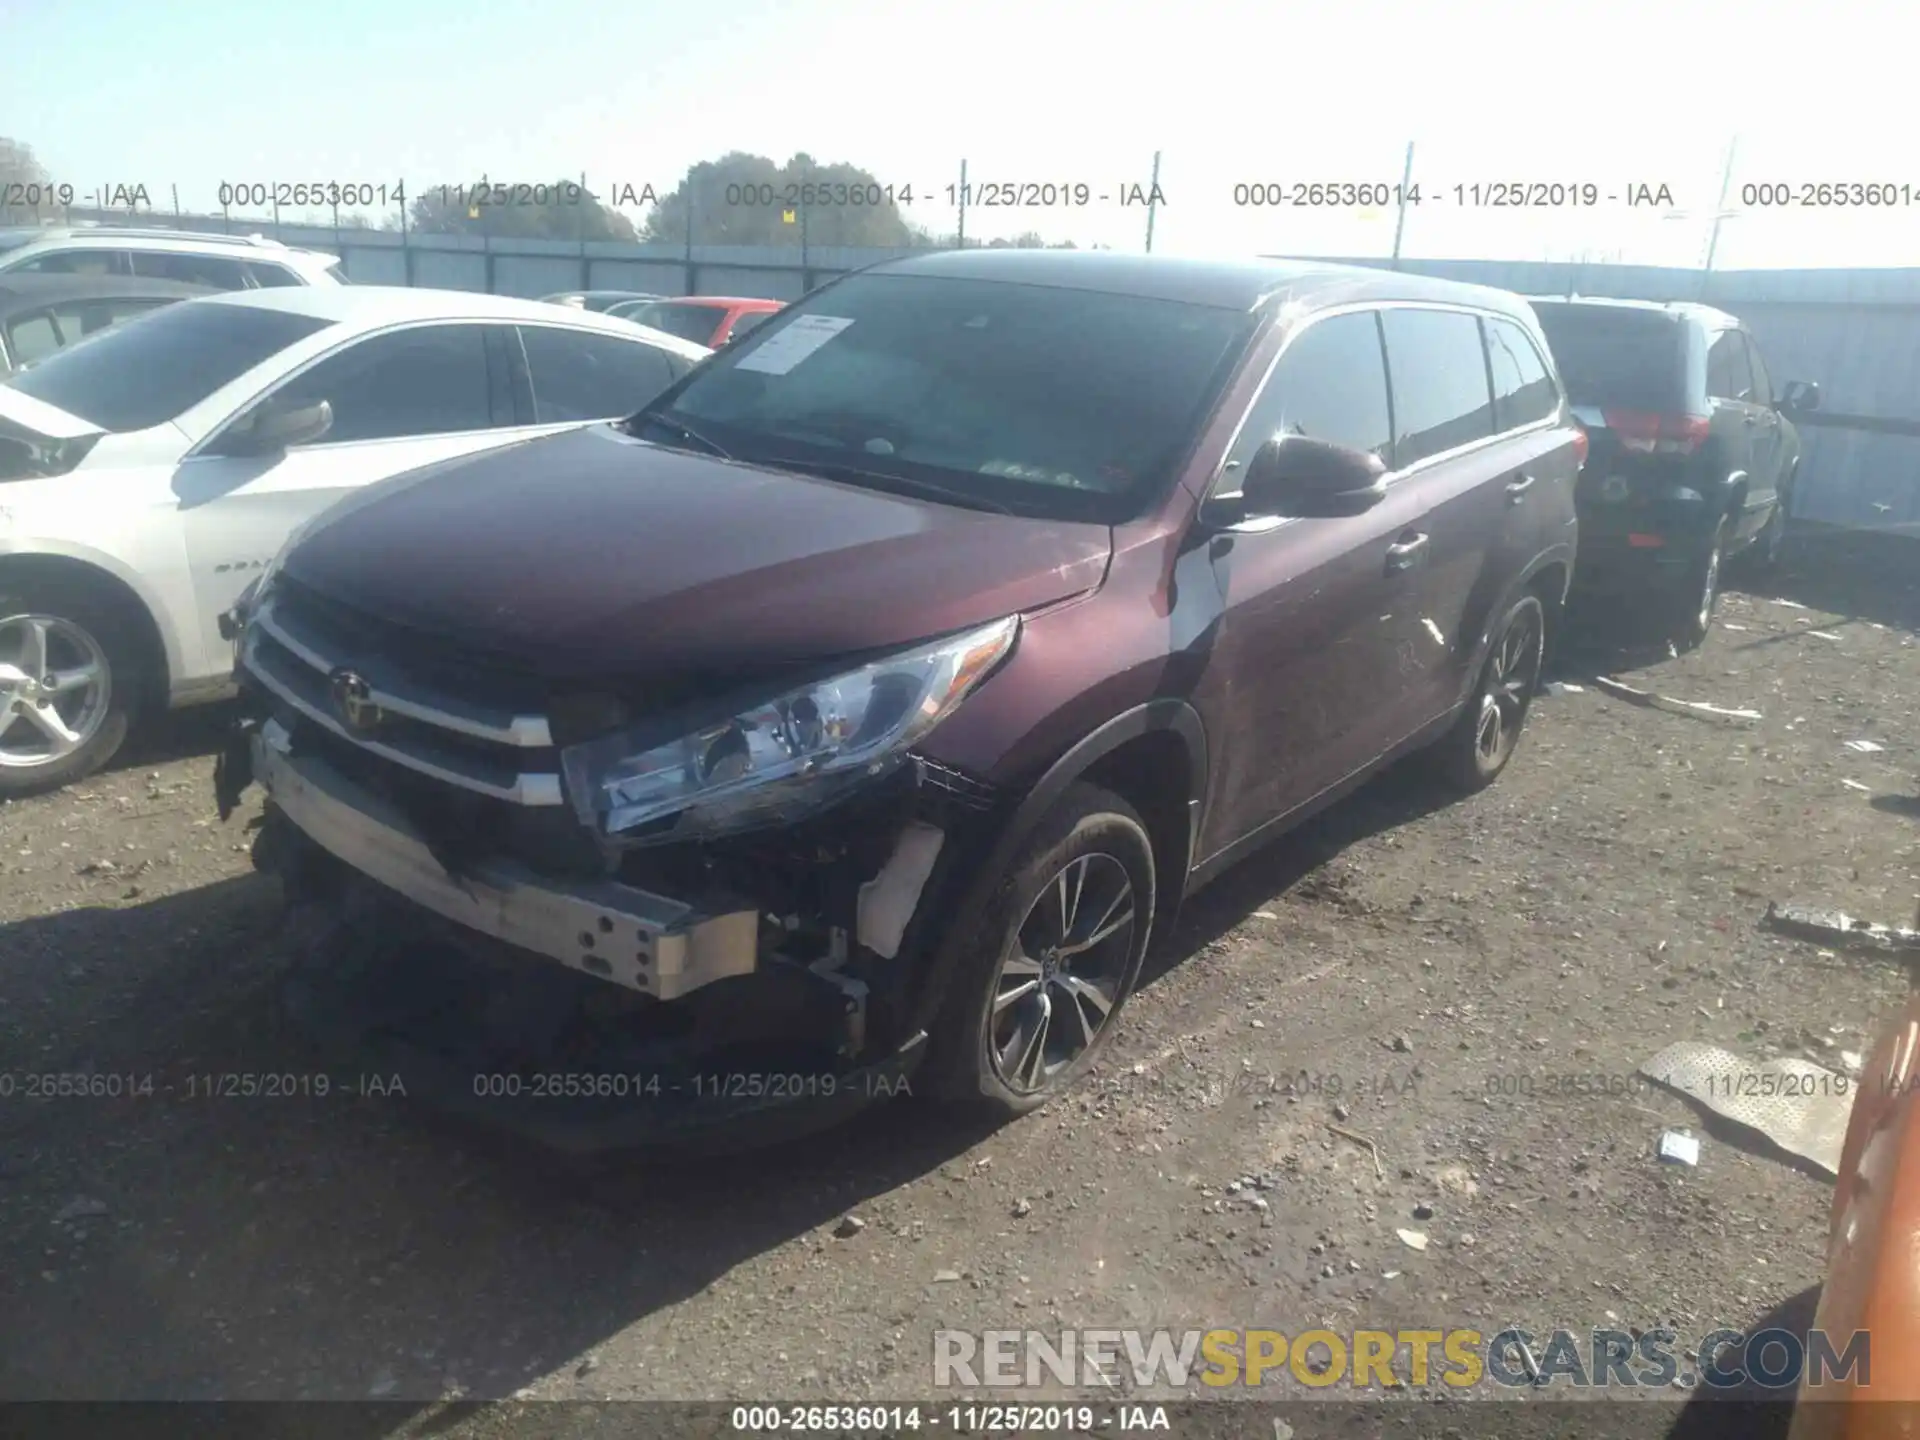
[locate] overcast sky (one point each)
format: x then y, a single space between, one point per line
1617 95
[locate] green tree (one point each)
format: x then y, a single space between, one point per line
544 210
835 204
18 167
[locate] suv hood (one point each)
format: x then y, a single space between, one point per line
594 555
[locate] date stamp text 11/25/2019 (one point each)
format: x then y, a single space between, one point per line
1474 195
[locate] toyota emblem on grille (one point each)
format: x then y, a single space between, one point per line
353 701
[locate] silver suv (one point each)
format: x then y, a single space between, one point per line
224 262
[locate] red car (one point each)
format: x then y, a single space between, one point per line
710 320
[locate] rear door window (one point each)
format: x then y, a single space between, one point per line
1523 390
1617 356
1728 375
214 270
577 375
1441 397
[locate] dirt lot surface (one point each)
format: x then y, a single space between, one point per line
1422 974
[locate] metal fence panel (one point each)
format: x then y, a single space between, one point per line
532 276
450 270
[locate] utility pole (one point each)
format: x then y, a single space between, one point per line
963 204
1719 214
1400 219
1153 192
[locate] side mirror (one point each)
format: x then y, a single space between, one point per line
1799 397
1294 475
277 425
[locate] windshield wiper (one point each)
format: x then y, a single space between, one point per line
887 479
679 427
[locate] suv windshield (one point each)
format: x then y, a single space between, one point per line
1616 356
1075 403
153 367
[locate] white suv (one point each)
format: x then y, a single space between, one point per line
224 262
150 472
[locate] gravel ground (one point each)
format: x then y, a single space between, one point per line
1415 972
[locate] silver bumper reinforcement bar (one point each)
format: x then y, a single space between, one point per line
614 932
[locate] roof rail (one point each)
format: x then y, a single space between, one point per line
163 232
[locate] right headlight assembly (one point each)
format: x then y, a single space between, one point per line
774 762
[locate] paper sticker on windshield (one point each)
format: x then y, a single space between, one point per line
787 347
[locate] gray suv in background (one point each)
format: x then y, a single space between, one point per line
1693 452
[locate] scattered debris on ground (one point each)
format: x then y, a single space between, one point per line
1678 1148
1801 1107
1836 927
1650 700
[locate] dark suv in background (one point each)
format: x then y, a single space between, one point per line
865 703
1693 453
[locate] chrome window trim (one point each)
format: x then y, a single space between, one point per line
1393 477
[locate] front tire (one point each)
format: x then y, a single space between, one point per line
1050 965
1472 754
68 687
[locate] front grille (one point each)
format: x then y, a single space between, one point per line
432 661
466 729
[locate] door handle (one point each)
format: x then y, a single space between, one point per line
1517 491
1749 419
1406 553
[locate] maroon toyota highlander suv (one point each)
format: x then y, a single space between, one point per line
862 706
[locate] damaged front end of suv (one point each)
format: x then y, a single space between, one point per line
607 915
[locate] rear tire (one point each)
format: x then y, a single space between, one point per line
1472 754
1049 965
65 722
1699 598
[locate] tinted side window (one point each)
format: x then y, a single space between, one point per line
268 277
1523 390
580 376
1330 384
79 262
426 381
214 270
689 322
1440 393
32 337
1762 382
1727 375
